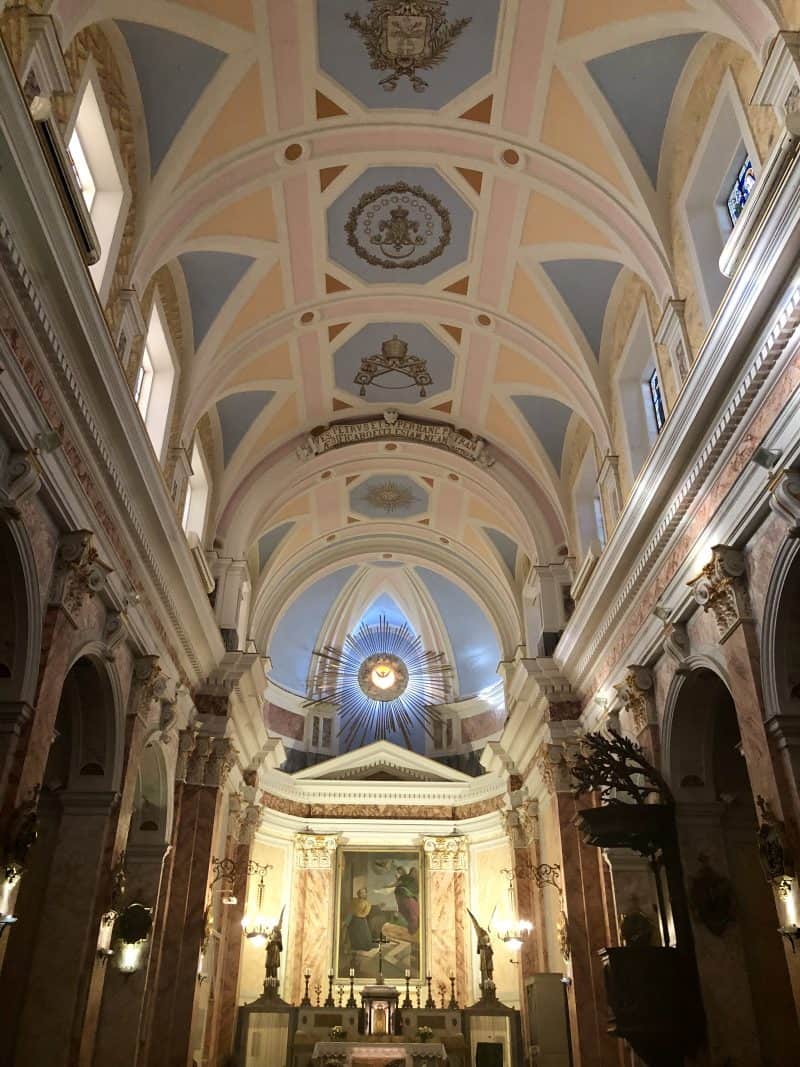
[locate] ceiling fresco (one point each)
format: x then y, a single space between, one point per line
399 223
392 377
423 55
485 182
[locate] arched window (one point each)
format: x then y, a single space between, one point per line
640 393
719 180
101 175
588 506
153 385
195 505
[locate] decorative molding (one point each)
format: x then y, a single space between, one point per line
20 479
671 333
721 587
78 575
637 694
749 385
446 853
676 641
784 499
392 426
314 852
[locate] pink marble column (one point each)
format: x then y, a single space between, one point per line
446 866
311 909
66 939
118 1031
172 981
221 1021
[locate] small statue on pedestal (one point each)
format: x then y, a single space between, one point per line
486 954
273 961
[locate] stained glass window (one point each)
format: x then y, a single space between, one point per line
656 400
740 190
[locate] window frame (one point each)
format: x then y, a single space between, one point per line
638 362
702 201
161 399
91 122
199 479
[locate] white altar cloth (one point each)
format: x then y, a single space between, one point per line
355 1052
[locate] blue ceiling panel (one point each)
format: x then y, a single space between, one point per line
210 277
548 419
472 636
585 287
639 83
269 543
237 413
172 71
295 637
505 546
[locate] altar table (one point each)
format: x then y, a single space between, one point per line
408 1053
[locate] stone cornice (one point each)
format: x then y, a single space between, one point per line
640 544
79 350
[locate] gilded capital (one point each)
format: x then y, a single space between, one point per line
315 851
636 692
721 587
446 853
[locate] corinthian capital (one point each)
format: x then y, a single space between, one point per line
315 851
446 853
721 587
636 693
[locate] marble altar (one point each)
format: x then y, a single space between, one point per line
353 1053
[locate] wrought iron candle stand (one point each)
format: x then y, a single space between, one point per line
407 1002
429 1003
329 1001
351 1000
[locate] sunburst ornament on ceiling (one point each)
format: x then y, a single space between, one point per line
389 497
383 682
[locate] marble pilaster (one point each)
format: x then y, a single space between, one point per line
312 898
446 862
64 948
117 1033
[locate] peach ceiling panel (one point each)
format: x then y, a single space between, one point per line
239 12
568 129
581 16
528 304
250 216
299 506
267 300
481 511
512 366
275 364
240 122
549 221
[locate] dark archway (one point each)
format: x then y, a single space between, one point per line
740 956
53 946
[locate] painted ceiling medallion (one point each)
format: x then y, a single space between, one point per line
406 36
398 226
393 358
389 497
383 682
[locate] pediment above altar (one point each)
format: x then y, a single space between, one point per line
382 761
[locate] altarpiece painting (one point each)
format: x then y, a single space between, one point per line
379 899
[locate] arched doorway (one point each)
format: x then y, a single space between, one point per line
53 945
780 641
20 621
740 957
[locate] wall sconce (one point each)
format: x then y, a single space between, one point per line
225 870
513 932
131 934
778 865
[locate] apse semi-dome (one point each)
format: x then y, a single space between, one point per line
431 604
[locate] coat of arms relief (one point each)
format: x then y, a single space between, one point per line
407 36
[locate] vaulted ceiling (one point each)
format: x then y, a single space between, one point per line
312 200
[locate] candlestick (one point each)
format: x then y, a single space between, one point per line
318 990
453 1005
351 1001
329 1001
429 1003
306 1001
407 1002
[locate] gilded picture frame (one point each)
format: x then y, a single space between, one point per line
380 893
